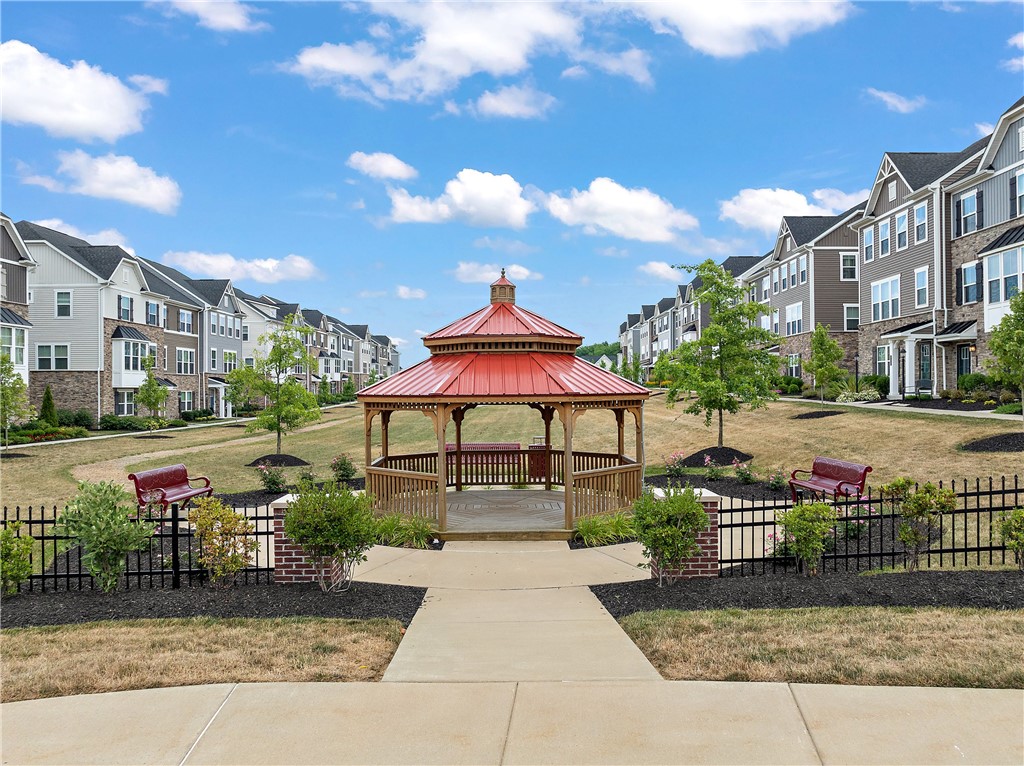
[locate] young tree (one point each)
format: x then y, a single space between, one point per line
729 365
289 404
48 411
826 354
371 378
151 394
14 404
1007 346
348 391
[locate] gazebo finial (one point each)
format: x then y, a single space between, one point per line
502 290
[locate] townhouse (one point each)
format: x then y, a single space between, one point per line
15 265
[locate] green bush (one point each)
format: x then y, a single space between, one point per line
777 479
1006 396
334 527
48 410
674 465
919 510
75 418
807 527
100 520
400 531
973 380
1011 529
791 380
225 541
878 382
1013 408
46 434
191 415
605 530
667 529
271 477
343 468
123 423
176 423
15 558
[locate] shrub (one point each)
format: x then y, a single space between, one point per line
878 382
674 465
46 434
991 402
343 468
778 545
191 415
919 511
123 423
712 470
1006 396
956 395
807 526
334 527
1011 529
605 529
99 519
896 493
224 541
399 531
307 474
743 471
1014 408
77 418
667 529
48 410
869 394
945 393
176 423
791 380
777 479
972 380
15 558
271 477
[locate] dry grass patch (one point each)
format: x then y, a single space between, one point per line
145 654
853 645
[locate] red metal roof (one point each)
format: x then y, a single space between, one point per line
504 319
514 375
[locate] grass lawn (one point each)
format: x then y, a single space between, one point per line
145 654
850 645
894 442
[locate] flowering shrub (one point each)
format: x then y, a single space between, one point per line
15 558
1011 529
712 470
809 525
776 479
851 529
271 477
869 394
743 471
224 542
343 468
674 465
668 528
778 545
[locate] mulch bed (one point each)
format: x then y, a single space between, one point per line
729 486
816 414
944 404
1011 442
6 455
259 497
976 589
154 436
721 455
361 601
278 461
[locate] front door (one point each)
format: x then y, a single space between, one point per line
963 360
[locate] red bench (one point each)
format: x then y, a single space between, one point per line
168 485
829 476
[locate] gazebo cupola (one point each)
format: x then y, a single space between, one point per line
502 290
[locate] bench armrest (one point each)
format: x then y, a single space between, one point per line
849 487
151 497
800 470
199 478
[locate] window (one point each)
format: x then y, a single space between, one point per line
213 323
63 300
250 362
848 266
186 361
795 318
881 360
245 332
921 223
12 344
921 287
213 359
1018 193
222 320
124 308
885 299
165 357
792 273
1003 272
869 245
969 213
803 269
883 239
125 402
186 401
793 366
163 322
892 191
50 357
184 321
230 360
851 316
152 313
970 283
765 288
775 281
901 231
135 352
238 327
1020 139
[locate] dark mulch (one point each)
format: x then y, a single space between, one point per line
1011 442
991 590
361 601
945 404
729 486
260 497
154 436
6 455
279 461
816 414
721 455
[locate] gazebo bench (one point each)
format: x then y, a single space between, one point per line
481 448
830 476
166 486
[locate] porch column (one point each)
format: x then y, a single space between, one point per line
547 413
457 416
894 369
368 433
620 423
565 412
440 424
910 367
385 421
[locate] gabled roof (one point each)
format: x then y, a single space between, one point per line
24 256
359 330
383 340
101 260
210 290
647 310
1011 114
807 228
632 319
922 168
159 283
737 264
313 317
666 303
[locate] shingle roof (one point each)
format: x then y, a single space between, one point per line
622 328
313 317
647 310
101 260
159 283
358 330
383 340
210 290
921 168
666 303
632 319
806 228
737 264
1007 238
9 317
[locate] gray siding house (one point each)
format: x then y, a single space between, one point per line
15 264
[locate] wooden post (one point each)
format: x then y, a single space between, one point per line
547 413
620 422
368 432
565 412
440 422
457 416
638 416
385 421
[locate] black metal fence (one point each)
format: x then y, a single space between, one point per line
170 561
866 534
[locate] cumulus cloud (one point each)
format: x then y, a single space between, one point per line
502 245
226 266
371 293
473 197
515 101
102 237
984 128
613 252
421 333
574 72
606 207
633 63
472 272
111 177
660 270
894 102
410 293
381 165
733 28
218 15
1015 64
763 209
78 101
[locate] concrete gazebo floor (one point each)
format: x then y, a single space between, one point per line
505 510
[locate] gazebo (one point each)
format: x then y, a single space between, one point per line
502 354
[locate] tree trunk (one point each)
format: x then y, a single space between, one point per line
721 429
279 439
1022 407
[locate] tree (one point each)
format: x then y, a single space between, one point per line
151 394
1007 346
348 391
14 404
371 378
823 365
48 412
289 404
598 349
729 365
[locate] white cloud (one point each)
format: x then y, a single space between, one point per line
421 333
608 207
398 342
102 237
381 165
226 266
502 245
633 63
371 293
894 102
343 310
219 15
78 101
515 101
410 293
660 270
613 252
111 177
763 209
1015 64
484 273
574 72
984 128
731 28
473 197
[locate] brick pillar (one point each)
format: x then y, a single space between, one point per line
704 564
290 564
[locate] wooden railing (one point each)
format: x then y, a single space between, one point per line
606 490
420 462
405 492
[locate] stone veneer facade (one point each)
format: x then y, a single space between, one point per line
801 344
869 337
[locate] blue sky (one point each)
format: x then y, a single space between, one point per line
381 161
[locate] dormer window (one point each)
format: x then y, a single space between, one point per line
892 191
